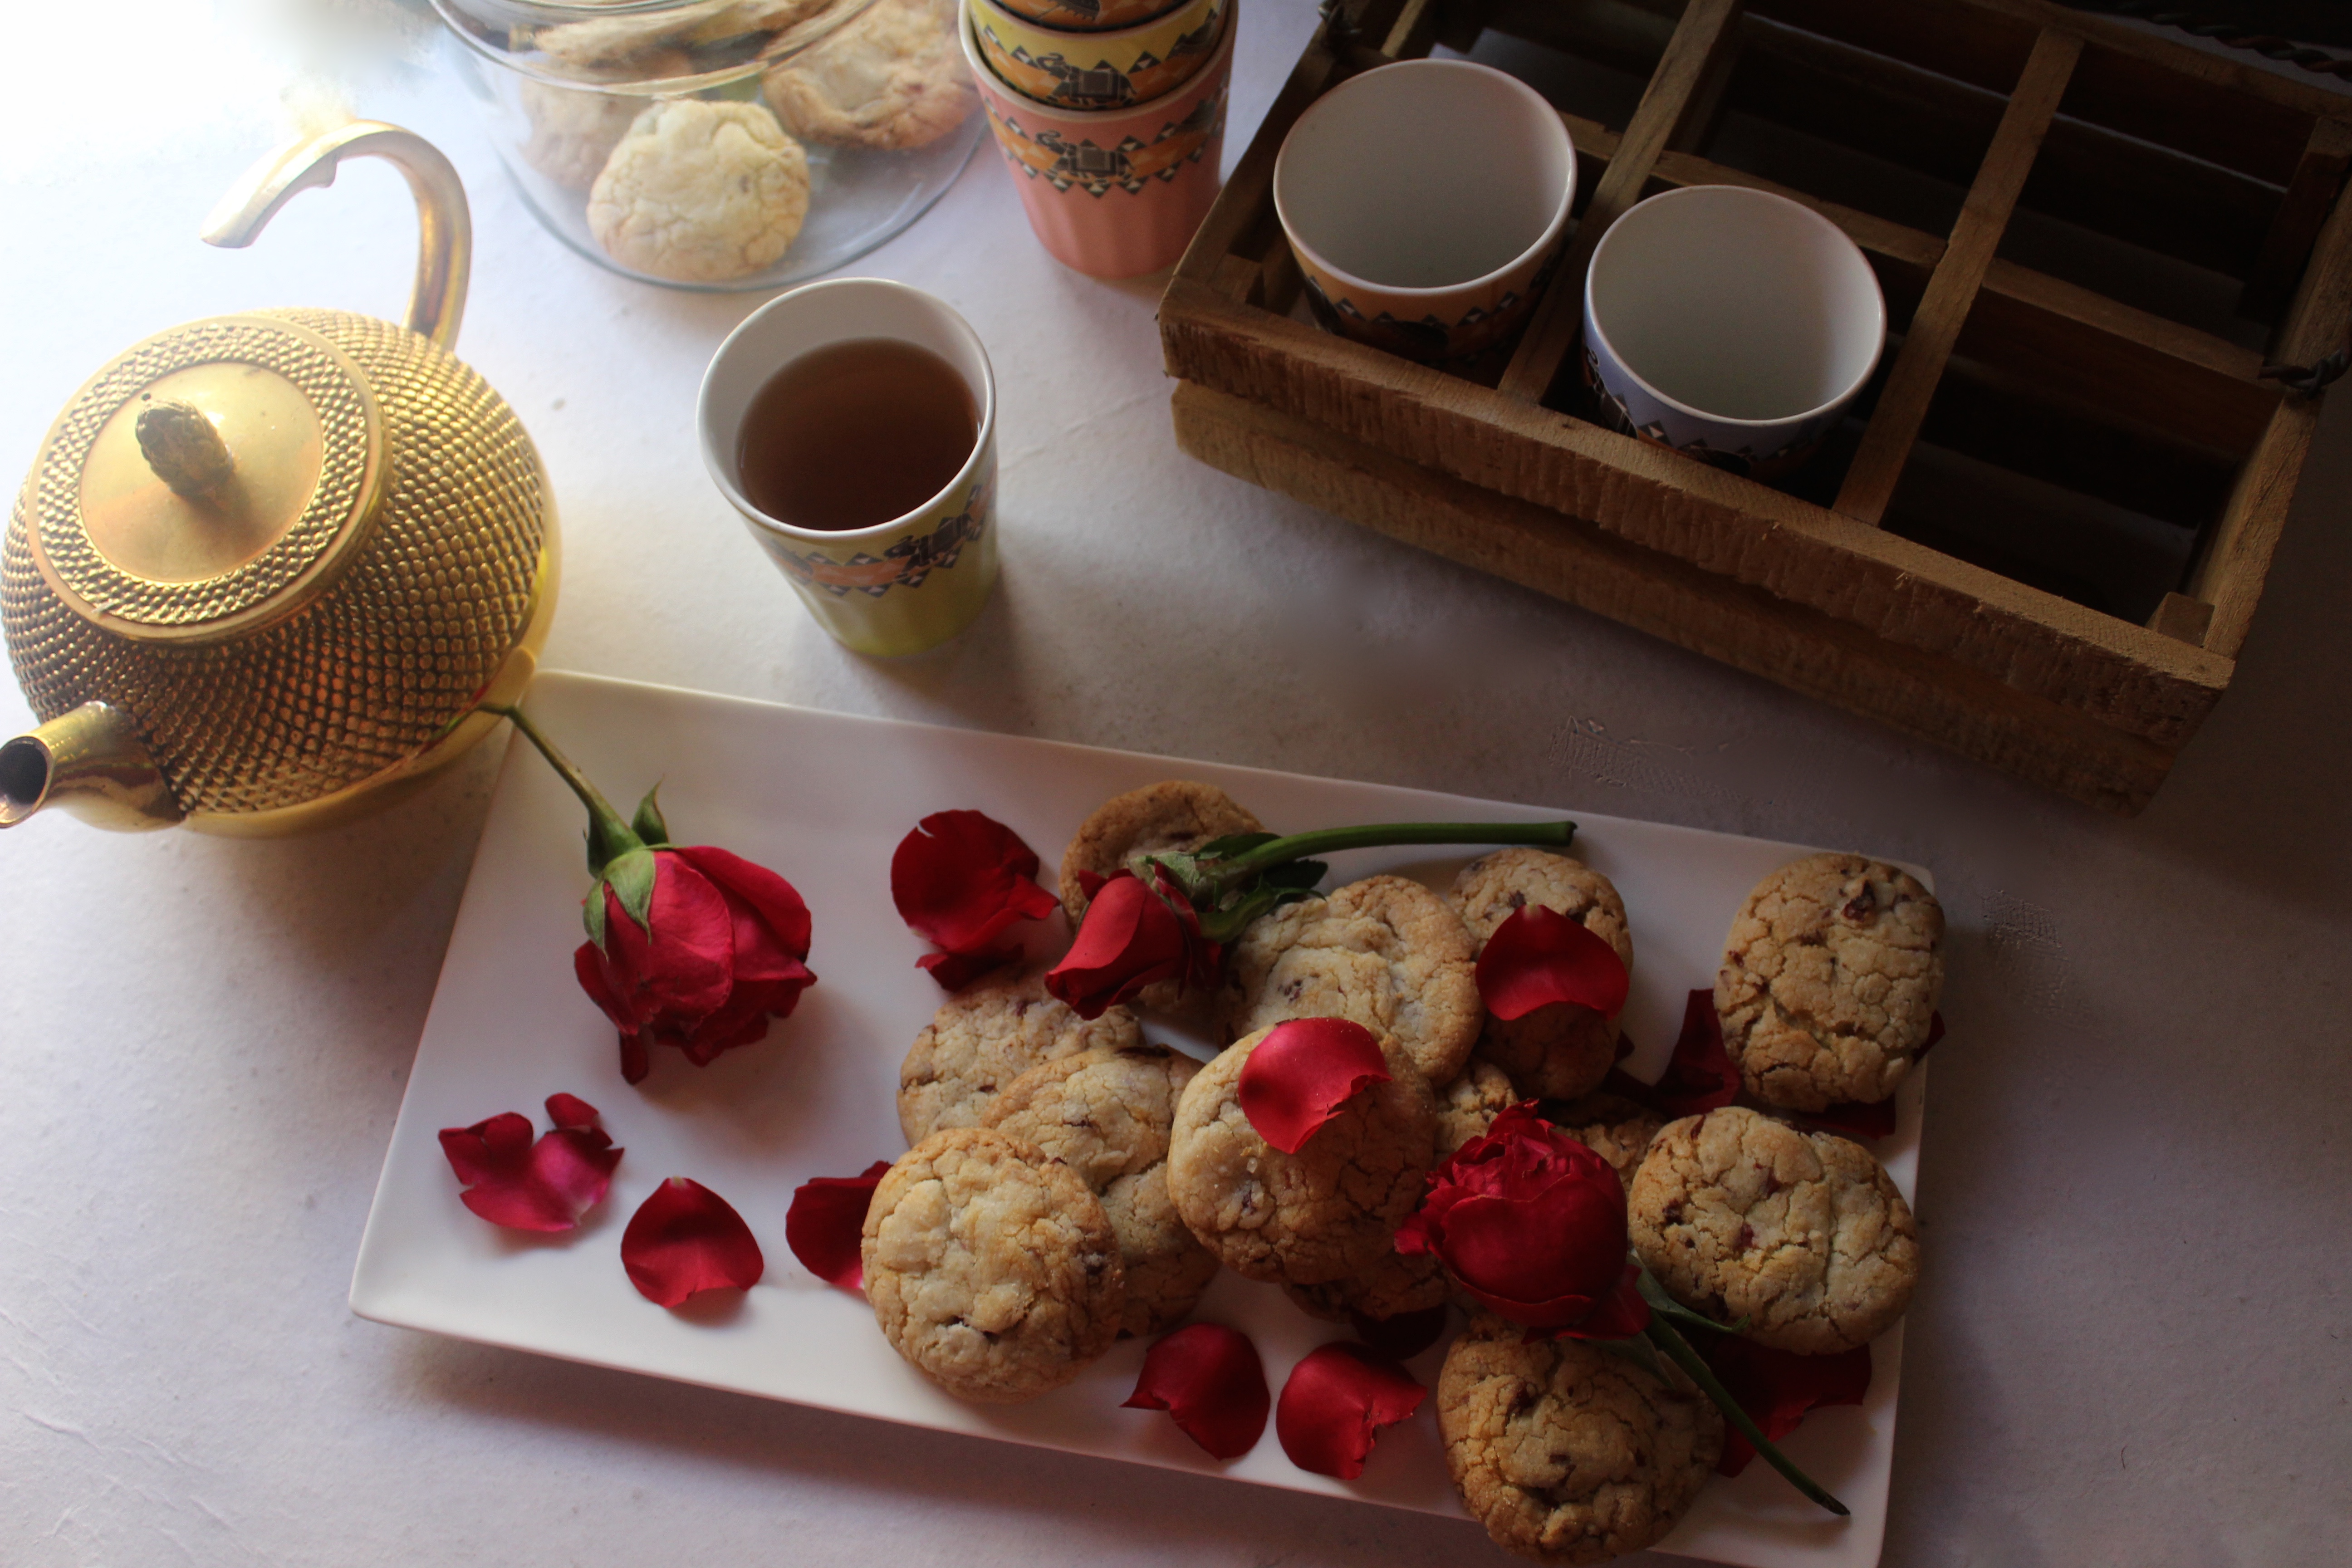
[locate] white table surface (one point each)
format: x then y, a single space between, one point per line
2133 1343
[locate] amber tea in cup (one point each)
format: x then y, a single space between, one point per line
855 434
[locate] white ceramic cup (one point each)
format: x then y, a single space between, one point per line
899 586
1731 324
1425 201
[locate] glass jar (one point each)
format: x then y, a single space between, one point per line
722 145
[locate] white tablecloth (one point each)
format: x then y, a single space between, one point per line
2133 1343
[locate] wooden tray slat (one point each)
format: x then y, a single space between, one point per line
1936 326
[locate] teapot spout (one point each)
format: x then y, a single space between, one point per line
92 763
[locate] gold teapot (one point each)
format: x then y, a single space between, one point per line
270 570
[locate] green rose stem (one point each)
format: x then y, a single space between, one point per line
619 853
1331 840
1663 1335
609 838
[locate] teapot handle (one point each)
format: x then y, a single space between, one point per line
445 227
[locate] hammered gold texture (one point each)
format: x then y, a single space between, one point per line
342 426
380 663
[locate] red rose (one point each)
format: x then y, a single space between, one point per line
719 952
1133 936
1532 1223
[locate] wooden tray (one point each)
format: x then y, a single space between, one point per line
2041 534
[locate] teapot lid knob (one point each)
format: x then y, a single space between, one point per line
183 447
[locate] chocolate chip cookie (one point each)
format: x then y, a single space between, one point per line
1801 1234
1328 1212
1107 1114
1830 980
1398 1283
1611 1126
1559 1051
1385 952
991 1266
1468 1106
983 1037
1566 1454
1181 814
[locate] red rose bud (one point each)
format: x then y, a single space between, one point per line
1699 1077
1532 1223
1210 1380
1778 1387
827 1224
687 1238
1337 1402
1302 1073
719 953
544 1185
1540 957
961 879
1132 936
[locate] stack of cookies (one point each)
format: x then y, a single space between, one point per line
1069 1183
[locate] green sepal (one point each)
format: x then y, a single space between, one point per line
1300 874
647 824
1225 925
632 879
608 840
592 914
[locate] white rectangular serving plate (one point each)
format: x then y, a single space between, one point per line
824 798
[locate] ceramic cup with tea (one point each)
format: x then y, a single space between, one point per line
1731 324
1425 201
853 424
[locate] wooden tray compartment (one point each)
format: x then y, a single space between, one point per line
2041 533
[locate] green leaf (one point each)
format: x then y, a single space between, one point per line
647 824
632 877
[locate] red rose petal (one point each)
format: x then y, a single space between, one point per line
542 1187
954 971
1130 938
687 967
1540 957
1302 1073
962 878
777 903
686 1238
827 1224
1402 1337
1337 1402
1619 1315
1777 1389
1210 1380
1700 1076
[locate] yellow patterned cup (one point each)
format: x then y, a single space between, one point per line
1115 70
899 586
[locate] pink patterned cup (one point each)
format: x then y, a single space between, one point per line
1114 193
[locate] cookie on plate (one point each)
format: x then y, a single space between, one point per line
700 193
1385 952
1566 1454
1468 1106
1179 814
1398 1283
892 79
1559 1051
1613 1127
1830 980
987 1035
1328 1212
1801 1234
1107 1114
991 1266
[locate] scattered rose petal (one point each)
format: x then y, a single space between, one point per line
1540 957
961 879
1700 1076
1132 936
1777 1389
1404 1336
954 971
1337 1402
828 1221
1302 1073
544 1185
686 1238
1210 1380
1531 1223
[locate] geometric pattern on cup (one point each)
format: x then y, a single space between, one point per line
1745 461
904 565
1052 80
1130 166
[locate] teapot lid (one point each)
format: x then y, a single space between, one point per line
208 483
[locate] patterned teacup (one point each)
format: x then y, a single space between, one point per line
899 586
1425 201
1115 70
1731 324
